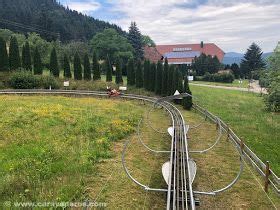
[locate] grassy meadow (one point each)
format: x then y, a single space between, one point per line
50 146
246 115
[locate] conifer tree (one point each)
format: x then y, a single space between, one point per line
23 51
152 77
26 57
165 78
187 101
147 66
87 69
139 75
54 68
130 72
170 80
78 75
4 59
109 70
14 57
135 38
119 79
158 86
66 67
175 83
38 66
96 67
252 61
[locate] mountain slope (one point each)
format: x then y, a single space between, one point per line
49 16
233 57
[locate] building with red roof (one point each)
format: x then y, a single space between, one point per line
182 53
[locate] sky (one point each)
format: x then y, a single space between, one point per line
231 24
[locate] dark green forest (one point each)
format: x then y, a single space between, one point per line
51 20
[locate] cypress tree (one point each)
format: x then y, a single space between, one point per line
180 82
152 77
54 69
147 66
165 78
119 79
109 70
175 83
77 67
38 66
4 59
96 68
130 72
170 80
14 57
87 70
139 75
66 67
23 55
26 57
158 86
187 101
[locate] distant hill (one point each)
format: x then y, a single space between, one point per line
234 57
49 16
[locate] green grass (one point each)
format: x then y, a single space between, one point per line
50 146
246 115
235 83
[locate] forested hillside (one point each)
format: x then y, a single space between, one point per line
49 16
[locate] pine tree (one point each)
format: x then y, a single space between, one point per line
158 86
170 80
152 77
165 78
130 72
38 66
54 69
119 79
14 57
135 38
78 75
139 75
87 69
252 61
26 57
187 101
109 70
66 67
96 68
236 70
4 59
147 66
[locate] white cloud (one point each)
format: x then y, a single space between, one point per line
233 25
84 7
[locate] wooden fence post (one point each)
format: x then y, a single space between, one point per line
267 173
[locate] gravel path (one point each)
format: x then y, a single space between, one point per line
255 87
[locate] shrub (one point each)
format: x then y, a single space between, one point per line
47 81
218 77
24 80
273 98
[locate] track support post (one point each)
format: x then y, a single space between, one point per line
267 173
228 132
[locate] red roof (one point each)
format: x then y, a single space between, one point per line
152 54
208 49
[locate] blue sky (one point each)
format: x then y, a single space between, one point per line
231 24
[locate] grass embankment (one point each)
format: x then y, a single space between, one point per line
235 83
50 145
69 149
246 115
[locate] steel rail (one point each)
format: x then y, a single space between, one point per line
213 145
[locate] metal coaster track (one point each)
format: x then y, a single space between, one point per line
179 193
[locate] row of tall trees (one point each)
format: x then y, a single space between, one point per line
203 64
162 79
13 61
